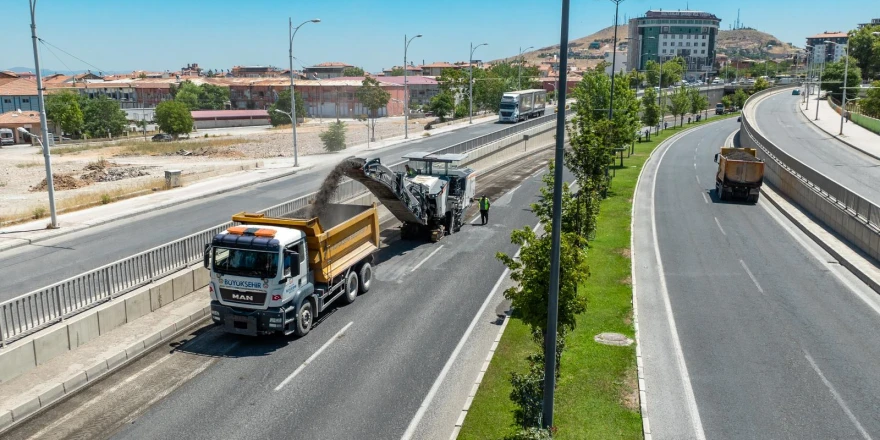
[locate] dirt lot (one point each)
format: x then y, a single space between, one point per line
100 173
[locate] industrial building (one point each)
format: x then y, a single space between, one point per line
691 35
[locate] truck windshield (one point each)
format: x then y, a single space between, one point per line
508 105
245 263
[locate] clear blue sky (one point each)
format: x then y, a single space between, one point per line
168 34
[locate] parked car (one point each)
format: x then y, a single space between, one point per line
163 137
796 92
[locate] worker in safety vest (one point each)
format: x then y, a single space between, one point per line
484 209
410 172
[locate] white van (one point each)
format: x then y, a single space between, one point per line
6 137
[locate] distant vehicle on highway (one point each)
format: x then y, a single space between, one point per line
719 109
796 92
522 104
163 137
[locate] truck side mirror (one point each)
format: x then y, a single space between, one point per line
716 157
207 256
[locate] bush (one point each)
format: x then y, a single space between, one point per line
530 434
105 199
334 137
39 212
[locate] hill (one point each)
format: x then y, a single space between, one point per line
747 42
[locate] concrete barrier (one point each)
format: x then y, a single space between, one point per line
46 344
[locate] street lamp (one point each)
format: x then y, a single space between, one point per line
843 95
406 89
819 88
519 69
660 84
471 82
44 127
292 33
809 76
613 59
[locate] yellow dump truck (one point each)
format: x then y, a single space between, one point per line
273 275
740 174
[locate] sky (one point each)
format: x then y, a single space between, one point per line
159 35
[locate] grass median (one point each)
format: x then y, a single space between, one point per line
597 394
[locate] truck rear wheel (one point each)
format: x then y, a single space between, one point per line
304 318
365 275
351 288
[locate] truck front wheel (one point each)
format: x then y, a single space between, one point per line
351 288
305 318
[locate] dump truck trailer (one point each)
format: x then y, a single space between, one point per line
740 174
277 275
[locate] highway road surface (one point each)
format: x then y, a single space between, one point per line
31 267
416 340
782 123
749 330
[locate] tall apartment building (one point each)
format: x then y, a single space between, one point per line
667 34
823 52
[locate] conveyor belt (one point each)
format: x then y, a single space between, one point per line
389 187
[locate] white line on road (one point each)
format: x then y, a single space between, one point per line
705 197
695 164
426 258
690 400
837 397
698 180
754 280
719 226
312 357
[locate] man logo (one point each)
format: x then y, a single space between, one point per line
240 297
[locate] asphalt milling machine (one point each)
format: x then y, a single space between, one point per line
429 198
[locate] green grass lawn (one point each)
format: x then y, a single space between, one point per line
597 393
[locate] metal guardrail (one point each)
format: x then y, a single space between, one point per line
834 192
36 310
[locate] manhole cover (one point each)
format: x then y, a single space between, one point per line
613 339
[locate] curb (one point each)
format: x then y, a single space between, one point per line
835 136
25 241
99 370
774 198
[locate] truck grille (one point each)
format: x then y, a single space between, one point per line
242 297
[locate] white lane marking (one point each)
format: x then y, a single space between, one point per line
695 163
705 197
690 400
99 397
313 357
719 226
837 397
754 280
426 259
414 423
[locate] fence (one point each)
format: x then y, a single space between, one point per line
33 311
840 208
856 116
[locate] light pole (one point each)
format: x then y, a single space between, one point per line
660 84
44 127
819 88
471 82
843 95
519 67
406 89
292 33
809 75
613 59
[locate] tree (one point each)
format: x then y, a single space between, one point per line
283 104
739 98
372 96
650 108
871 103
864 47
174 118
442 104
679 103
212 97
635 79
188 94
832 79
352 71
142 75
63 108
760 84
699 102
652 73
672 72
210 73
396 71
101 116
334 137
727 101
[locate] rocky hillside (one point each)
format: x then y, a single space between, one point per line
752 43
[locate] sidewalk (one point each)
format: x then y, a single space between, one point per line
856 137
36 231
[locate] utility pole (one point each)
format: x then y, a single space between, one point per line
292 33
471 83
556 234
519 66
613 59
44 127
405 88
843 97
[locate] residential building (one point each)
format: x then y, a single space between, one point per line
28 119
874 22
619 63
18 94
326 70
410 70
191 70
437 68
668 34
59 78
255 72
823 52
8 74
421 89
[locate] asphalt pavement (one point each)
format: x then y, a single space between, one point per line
31 267
782 123
776 339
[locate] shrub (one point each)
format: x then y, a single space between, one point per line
334 137
39 212
530 434
105 199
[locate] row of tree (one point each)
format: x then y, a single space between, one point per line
488 87
77 115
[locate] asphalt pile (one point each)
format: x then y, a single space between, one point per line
114 174
743 156
60 182
329 186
